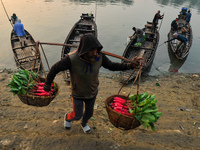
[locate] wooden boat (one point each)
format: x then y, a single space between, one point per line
187 32
86 24
24 56
147 50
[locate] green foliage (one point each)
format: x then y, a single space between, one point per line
20 80
146 109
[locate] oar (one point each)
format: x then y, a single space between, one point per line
59 44
161 44
117 56
161 22
95 11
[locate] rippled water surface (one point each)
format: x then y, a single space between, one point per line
51 21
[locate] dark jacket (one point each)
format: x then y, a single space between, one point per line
157 17
84 76
188 16
174 24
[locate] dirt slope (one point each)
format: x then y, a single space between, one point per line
33 128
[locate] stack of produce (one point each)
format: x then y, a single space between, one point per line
38 90
19 84
121 105
145 108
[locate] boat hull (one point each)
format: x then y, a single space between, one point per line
25 57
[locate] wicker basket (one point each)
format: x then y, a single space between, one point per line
119 120
38 100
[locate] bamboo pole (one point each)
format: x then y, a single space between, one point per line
117 56
59 44
104 52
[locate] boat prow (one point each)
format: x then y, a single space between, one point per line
85 24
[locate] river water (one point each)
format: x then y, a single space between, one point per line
51 21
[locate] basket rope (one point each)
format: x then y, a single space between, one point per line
138 76
33 67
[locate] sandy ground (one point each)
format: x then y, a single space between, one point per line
25 127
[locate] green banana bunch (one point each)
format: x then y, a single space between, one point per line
20 80
146 109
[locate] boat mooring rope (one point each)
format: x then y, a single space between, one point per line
6 12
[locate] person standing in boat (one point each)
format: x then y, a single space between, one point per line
84 65
19 30
14 18
174 25
182 39
157 16
139 33
188 17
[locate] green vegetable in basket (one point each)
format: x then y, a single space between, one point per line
20 80
146 109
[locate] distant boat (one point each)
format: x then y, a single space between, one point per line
24 56
187 32
86 24
147 51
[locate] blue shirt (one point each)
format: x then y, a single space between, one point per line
180 38
188 17
19 29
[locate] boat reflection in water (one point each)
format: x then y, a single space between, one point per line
175 64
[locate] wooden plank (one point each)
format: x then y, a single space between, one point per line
74 41
16 37
26 57
30 60
146 48
84 30
84 24
148 25
149 32
24 47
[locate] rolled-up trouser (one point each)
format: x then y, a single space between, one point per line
77 112
184 41
22 38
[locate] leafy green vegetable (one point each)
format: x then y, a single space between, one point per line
20 80
146 109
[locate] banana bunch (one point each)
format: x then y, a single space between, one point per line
146 109
19 81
